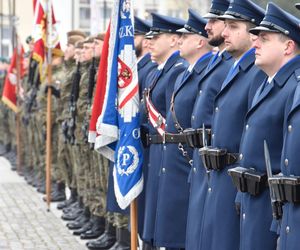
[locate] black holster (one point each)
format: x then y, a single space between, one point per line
248 180
216 159
194 137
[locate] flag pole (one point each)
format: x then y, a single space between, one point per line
133 225
49 94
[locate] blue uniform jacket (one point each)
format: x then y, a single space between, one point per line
146 69
290 165
220 221
161 91
173 192
264 121
208 87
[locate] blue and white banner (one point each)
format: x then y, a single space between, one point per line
118 124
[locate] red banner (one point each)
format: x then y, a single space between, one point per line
40 35
9 95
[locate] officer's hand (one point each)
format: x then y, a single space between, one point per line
55 91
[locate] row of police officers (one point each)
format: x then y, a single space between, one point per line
224 93
219 105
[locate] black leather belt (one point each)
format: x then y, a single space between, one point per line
248 180
217 159
167 138
194 137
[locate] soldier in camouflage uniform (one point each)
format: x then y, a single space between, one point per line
58 193
66 163
3 111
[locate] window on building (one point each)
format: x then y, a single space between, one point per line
85 17
85 1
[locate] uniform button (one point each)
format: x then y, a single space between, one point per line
213 136
287 229
165 147
200 92
244 216
247 126
286 162
241 157
216 109
290 128
163 170
209 190
193 117
195 170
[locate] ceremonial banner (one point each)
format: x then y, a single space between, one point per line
117 126
39 35
9 95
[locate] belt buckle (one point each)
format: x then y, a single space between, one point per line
164 138
159 121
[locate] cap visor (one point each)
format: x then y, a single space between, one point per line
230 17
258 29
152 33
210 16
184 30
297 5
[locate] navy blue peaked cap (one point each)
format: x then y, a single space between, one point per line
164 24
297 5
141 27
244 10
280 21
195 24
217 8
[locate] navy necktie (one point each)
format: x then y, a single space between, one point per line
259 92
212 61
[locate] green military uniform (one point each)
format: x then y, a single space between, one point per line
65 159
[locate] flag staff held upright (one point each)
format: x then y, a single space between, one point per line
49 94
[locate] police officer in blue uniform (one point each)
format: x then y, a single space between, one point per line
146 68
289 238
141 44
173 190
208 86
220 222
278 31
164 51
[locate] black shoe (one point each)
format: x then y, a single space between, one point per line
72 199
106 240
97 229
80 221
72 215
87 226
71 207
59 193
123 240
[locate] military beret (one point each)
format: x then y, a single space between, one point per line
100 36
79 44
76 33
73 39
29 39
89 39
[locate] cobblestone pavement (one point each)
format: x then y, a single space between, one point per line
24 220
